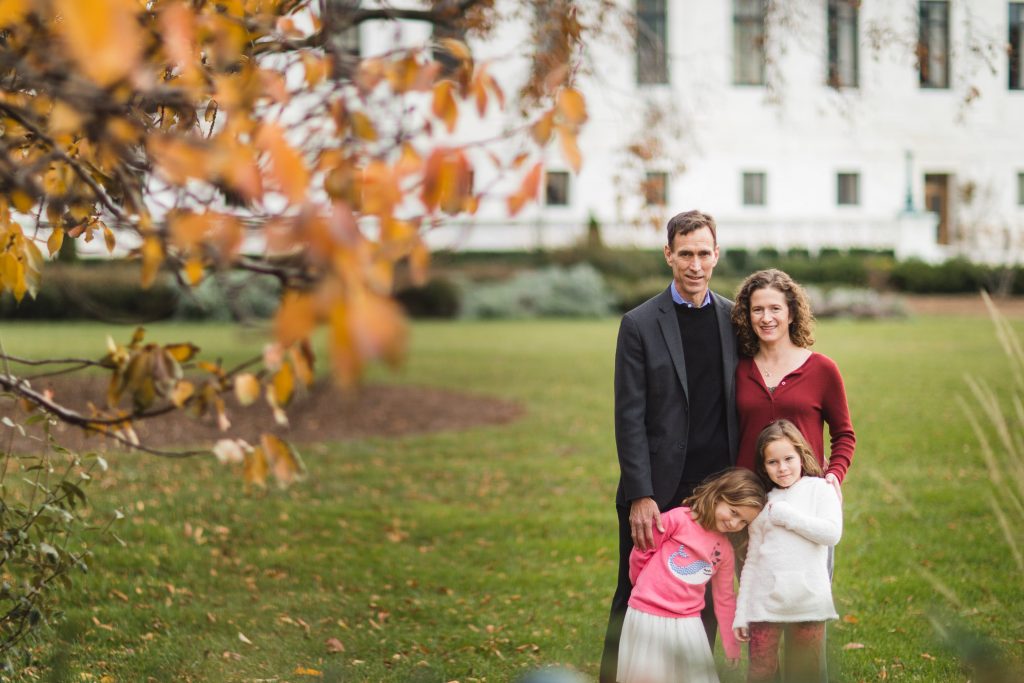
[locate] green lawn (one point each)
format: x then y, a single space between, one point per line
474 556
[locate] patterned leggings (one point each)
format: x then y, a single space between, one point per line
804 645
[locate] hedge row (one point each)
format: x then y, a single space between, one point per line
473 284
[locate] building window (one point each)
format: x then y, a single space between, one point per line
1016 46
933 45
1020 189
848 189
748 41
842 43
556 188
755 189
651 42
656 188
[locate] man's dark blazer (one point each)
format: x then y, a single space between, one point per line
652 409
652 402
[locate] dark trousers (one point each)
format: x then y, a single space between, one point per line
610 656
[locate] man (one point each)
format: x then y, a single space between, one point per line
675 414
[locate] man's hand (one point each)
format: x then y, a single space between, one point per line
834 480
742 634
643 515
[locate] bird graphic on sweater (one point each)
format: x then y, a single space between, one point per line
694 572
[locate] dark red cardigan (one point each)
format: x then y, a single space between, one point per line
810 397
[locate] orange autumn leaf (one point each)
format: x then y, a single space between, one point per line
542 129
444 106
103 36
54 242
363 126
570 148
152 259
13 11
572 107
284 461
527 190
296 317
456 48
283 385
287 167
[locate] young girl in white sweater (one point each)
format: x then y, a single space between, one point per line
785 588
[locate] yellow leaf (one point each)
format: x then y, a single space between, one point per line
56 239
283 460
572 107
444 106
12 11
64 119
247 388
255 469
182 352
283 385
22 201
182 392
541 131
305 671
194 271
103 36
152 258
108 238
363 126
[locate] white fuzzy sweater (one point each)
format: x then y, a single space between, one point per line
785 578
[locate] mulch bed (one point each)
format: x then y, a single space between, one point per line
322 413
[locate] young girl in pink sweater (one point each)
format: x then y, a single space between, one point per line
663 638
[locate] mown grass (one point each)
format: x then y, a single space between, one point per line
481 554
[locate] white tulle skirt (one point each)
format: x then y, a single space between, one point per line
656 649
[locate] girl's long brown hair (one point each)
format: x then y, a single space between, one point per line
736 486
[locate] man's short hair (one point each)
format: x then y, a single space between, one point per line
688 221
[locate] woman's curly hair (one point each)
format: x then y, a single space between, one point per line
801 320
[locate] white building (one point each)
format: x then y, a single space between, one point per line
885 124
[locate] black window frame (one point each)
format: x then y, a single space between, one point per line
550 188
933 25
1015 45
843 196
652 42
748 41
843 14
749 192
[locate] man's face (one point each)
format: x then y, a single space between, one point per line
692 258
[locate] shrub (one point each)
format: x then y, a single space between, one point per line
631 293
230 296
438 298
552 292
854 302
94 290
953 276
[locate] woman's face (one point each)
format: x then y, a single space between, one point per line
769 315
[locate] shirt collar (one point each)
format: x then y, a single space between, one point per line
678 298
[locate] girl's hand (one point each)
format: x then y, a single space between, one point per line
834 480
732 662
742 634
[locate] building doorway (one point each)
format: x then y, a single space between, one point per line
936 200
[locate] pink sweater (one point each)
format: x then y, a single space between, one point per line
669 581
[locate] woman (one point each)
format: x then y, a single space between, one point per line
778 376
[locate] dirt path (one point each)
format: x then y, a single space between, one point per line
323 413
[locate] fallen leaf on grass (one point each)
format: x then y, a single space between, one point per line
304 671
853 646
925 655
335 645
105 627
241 637
850 619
